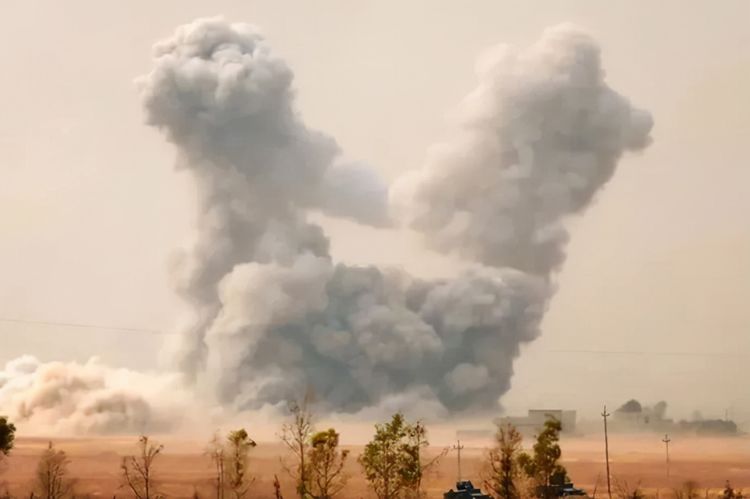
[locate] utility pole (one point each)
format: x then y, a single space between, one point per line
458 448
605 415
666 441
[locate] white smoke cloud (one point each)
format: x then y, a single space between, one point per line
68 397
540 135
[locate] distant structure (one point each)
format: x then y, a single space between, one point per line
715 427
534 421
634 417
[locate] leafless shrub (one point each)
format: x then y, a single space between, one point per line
731 493
277 488
688 490
296 436
51 480
138 472
623 490
216 451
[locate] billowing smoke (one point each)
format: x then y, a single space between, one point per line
87 398
358 335
540 135
222 96
273 315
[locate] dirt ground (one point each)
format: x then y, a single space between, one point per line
183 470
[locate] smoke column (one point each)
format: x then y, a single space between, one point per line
540 135
271 314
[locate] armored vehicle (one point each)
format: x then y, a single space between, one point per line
465 490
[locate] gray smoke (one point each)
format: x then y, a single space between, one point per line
226 101
273 314
358 335
540 135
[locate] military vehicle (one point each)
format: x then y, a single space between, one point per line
562 490
465 490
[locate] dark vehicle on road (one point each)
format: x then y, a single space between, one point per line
562 490
465 490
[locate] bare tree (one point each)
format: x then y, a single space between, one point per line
503 470
238 479
624 491
596 486
216 451
277 488
730 493
689 490
296 436
417 442
137 471
51 479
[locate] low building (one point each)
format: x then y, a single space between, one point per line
534 421
632 416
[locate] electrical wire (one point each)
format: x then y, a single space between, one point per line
80 325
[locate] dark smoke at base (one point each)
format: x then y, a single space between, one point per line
271 314
357 335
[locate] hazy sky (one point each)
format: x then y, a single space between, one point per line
91 207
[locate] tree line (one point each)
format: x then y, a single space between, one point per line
393 463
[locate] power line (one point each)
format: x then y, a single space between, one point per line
80 325
605 415
666 441
458 447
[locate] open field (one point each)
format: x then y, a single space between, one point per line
184 470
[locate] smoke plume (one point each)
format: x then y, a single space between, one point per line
274 315
271 313
540 135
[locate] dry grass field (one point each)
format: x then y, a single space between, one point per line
183 470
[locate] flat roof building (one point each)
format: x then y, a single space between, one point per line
534 421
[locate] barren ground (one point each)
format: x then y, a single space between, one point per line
184 470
